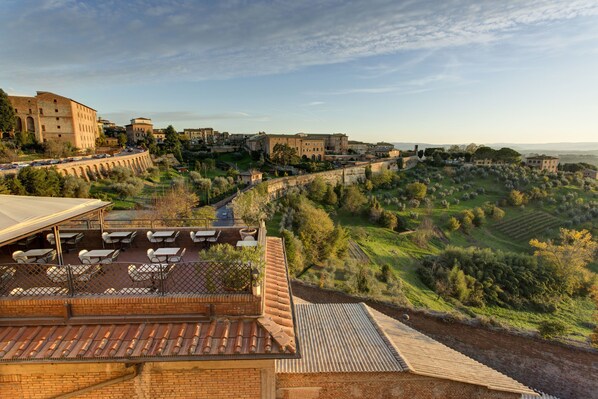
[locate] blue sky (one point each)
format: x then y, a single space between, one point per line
443 71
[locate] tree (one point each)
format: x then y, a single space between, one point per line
314 230
354 199
551 329
294 251
122 140
569 257
177 205
316 189
250 206
330 198
284 154
388 220
172 144
7 114
417 190
479 217
516 198
75 187
205 212
453 224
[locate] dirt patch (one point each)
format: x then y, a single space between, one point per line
355 252
566 372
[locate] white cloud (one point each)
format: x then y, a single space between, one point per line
145 40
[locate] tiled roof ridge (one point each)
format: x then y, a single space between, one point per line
278 317
393 348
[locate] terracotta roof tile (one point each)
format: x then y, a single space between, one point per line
271 334
278 312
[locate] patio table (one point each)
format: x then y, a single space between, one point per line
38 253
167 251
164 234
205 233
100 253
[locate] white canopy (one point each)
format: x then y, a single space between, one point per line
21 216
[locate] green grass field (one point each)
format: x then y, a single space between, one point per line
512 233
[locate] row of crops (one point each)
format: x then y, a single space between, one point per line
528 225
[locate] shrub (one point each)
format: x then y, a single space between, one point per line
416 190
551 329
453 224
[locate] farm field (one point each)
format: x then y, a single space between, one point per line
377 247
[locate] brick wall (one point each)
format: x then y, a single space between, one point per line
377 385
155 380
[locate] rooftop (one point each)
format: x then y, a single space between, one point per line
355 338
169 327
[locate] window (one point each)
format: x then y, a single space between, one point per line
41 111
56 110
60 135
16 111
29 110
57 118
44 129
58 126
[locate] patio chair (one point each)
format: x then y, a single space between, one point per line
177 258
51 239
106 238
129 240
19 257
26 241
57 274
72 242
110 259
49 257
153 258
152 239
6 274
172 239
214 239
138 276
195 238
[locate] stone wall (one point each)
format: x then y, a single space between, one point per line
378 385
346 176
100 168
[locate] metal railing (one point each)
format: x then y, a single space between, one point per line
91 224
125 279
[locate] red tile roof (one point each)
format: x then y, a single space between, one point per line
270 335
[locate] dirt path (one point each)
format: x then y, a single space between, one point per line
565 372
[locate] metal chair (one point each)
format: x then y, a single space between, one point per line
106 238
171 240
177 258
129 240
153 258
20 257
110 259
51 239
57 274
152 239
214 239
195 238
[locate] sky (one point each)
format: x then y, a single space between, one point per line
441 71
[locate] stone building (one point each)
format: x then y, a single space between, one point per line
206 135
305 146
590 173
138 129
358 147
51 117
336 143
543 162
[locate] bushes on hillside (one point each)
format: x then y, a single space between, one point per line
492 277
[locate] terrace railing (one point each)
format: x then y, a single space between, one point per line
125 279
94 224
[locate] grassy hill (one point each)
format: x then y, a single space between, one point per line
449 193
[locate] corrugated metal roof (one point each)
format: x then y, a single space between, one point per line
24 215
339 338
426 356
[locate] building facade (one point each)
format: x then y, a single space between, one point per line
51 117
543 162
337 143
206 135
590 174
138 129
306 147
